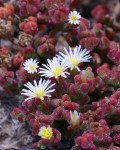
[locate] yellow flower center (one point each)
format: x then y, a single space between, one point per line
31 67
46 133
39 93
74 120
73 116
74 18
58 71
74 61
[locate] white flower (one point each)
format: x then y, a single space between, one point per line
31 65
74 17
54 68
46 132
75 57
40 90
75 118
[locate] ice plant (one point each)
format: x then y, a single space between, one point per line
45 132
75 118
75 57
45 45
81 100
100 12
18 113
73 17
28 51
31 65
40 91
59 15
29 7
18 59
54 68
6 11
29 25
84 142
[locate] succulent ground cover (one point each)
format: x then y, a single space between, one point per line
65 68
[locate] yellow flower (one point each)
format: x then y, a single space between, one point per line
54 68
75 57
40 91
75 118
31 65
74 17
46 132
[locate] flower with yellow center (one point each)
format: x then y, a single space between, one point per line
31 65
39 91
75 57
54 68
73 17
46 132
74 118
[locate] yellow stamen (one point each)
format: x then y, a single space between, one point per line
58 71
31 67
74 61
74 18
73 116
75 119
39 93
46 133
